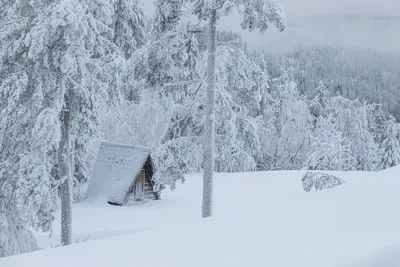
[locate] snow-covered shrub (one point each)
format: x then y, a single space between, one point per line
320 181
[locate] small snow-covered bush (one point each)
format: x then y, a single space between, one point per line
320 181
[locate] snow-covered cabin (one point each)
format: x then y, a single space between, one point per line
121 173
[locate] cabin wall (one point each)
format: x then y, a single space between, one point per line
139 188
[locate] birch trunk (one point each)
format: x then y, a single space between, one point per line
65 173
210 120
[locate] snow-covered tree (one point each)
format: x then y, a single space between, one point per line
166 59
143 124
237 95
99 86
237 143
247 81
166 55
192 57
51 55
353 121
366 148
284 112
129 26
390 147
169 57
166 17
159 77
256 15
329 149
29 130
318 103
174 158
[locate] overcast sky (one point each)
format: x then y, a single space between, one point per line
342 7
330 7
361 34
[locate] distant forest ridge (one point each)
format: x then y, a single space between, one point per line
370 76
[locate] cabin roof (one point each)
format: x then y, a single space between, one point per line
116 169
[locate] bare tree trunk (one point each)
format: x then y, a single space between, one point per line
210 120
65 173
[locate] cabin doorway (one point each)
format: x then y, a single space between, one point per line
139 187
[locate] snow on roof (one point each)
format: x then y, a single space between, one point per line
116 168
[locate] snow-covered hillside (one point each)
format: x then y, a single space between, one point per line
260 219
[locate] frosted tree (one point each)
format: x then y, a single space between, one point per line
143 124
129 26
51 55
162 62
166 17
368 149
256 15
192 58
160 73
236 141
129 35
181 149
353 120
166 59
174 158
237 96
318 103
29 130
247 82
284 111
98 86
329 149
390 147
167 38
233 151
236 145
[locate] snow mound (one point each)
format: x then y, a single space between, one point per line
320 181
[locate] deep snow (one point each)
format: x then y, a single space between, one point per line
260 219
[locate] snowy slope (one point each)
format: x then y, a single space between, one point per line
260 219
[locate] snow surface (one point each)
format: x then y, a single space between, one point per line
260 219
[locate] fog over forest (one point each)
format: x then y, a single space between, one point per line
367 25
363 32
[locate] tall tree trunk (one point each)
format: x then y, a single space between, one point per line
65 173
210 120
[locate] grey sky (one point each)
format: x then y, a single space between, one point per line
364 34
